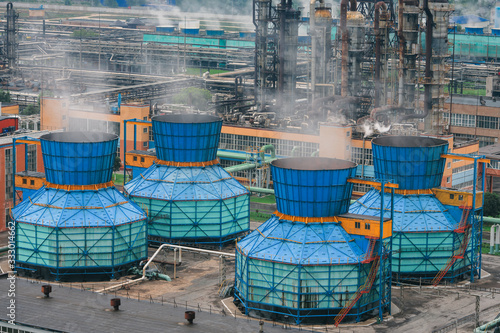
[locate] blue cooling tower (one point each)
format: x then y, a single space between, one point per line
425 233
189 197
301 265
78 226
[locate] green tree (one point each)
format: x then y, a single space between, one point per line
84 34
31 109
196 97
118 163
4 96
491 204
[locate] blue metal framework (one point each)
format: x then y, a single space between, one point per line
78 235
308 272
189 197
306 268
83 230
191 205
431 239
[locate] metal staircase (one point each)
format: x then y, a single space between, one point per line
366 287
463 228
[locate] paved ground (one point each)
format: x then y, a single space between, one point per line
421 309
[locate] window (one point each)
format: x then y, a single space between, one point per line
32 157
32 182
452 196
9 186
347 148
135 158
357 225
142 159
145 144
447 179
145 118
463 120
367 226
145 129
463 168
348 133
449 165
357 156
460 197
487 122
25 181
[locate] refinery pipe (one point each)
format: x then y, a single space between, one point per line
401 51
263 152
488 326
428 58
175 247
379 7
260 190
345 44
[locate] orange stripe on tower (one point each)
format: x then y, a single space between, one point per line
187 164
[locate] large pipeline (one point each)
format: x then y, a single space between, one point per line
401 51
378 44
428 59
312 29
428 64
345 44
385 109
282 47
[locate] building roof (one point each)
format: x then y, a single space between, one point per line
301 243
467 19
7 140
412 213
474 100
78 310
172 183
50 207
491 151
27 173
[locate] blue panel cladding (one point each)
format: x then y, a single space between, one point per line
473 30
301 243
215 32
78 158
312 187
186 138
414 163
50 207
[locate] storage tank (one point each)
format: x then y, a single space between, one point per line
301 265
78 226
428 235
189 197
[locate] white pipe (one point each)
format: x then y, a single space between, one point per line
154 256
492 238
498 238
